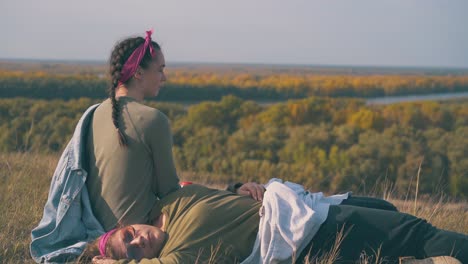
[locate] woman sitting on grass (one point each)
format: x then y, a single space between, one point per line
199 224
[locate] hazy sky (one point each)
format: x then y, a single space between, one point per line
331 32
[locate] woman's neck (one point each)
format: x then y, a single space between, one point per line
122 90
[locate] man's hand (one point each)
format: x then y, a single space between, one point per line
253 189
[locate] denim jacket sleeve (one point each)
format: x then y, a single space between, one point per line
68 222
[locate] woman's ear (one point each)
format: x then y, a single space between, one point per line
138 73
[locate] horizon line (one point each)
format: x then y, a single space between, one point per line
304 65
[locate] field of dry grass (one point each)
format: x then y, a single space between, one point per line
25 179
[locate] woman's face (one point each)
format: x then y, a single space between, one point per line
153 77
137 242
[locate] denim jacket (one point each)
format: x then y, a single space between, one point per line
68 222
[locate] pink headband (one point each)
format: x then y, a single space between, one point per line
131 65
103 241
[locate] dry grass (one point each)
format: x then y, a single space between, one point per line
24 184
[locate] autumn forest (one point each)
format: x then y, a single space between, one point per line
319 131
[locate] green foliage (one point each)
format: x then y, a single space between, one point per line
327 144
366 119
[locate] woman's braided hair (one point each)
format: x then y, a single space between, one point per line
119 56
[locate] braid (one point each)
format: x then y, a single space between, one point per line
120 54
116 111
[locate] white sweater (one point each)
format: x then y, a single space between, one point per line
290 217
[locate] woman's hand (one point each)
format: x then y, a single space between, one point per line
253 189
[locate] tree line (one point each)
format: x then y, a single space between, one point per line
327 144
186 85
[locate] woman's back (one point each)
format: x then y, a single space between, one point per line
125 181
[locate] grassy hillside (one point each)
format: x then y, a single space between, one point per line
25 179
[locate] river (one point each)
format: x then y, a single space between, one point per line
370 101
413 98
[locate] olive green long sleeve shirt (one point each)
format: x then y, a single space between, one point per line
124 182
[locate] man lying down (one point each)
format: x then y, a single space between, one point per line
199 224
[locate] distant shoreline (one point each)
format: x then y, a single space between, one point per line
265 84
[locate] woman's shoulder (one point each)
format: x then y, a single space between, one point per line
136 113
147 110
147 116
137 107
